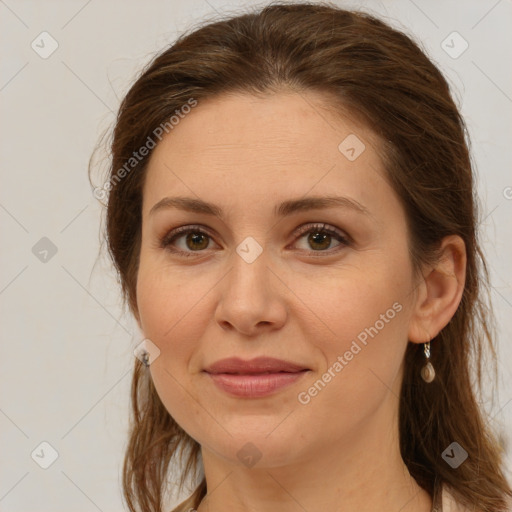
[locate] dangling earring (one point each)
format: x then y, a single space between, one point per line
428 373
145 358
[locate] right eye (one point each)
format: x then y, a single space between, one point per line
195 241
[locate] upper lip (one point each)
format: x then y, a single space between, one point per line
254 366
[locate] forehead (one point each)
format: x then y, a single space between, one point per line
267 147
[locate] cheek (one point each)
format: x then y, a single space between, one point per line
168 298
362 366
168 317
360 371
174 318
343 303
359 323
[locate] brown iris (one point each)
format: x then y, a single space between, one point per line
196 238
316 238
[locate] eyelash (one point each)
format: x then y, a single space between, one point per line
168 239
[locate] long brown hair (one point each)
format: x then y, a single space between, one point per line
380 75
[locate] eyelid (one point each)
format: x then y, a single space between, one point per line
323 226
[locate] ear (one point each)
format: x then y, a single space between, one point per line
440 291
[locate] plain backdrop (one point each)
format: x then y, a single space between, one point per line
67 346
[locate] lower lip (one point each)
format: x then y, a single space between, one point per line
254 386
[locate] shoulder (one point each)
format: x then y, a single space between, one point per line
450 504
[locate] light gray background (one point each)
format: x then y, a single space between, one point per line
67 347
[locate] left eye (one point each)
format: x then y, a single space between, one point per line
319 236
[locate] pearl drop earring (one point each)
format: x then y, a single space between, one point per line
428 373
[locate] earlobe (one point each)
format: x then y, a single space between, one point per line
440 292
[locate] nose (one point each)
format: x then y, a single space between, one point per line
252 298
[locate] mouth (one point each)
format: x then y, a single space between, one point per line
257 378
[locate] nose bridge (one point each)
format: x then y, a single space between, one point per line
250 268
249 297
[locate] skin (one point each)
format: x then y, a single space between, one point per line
246 154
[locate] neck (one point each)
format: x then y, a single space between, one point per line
362 472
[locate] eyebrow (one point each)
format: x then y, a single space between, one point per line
284 209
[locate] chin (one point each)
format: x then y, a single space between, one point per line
256 448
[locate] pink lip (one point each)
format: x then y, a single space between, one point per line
256 385
258 377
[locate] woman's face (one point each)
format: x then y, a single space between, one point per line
263 278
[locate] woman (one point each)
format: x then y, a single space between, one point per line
291 212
